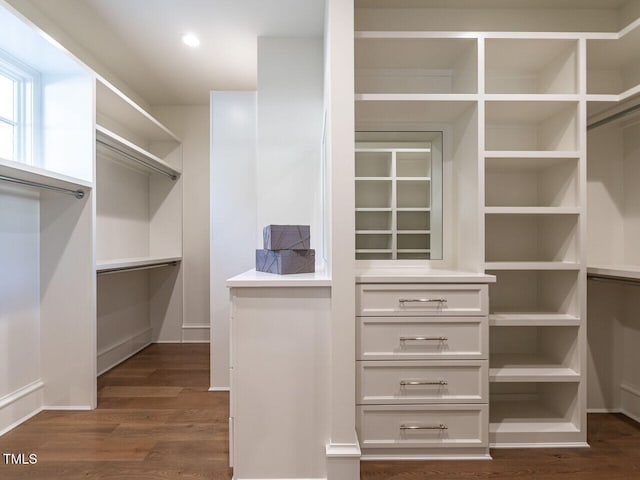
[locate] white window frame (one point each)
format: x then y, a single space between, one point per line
26 107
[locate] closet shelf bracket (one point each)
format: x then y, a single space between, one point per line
79 194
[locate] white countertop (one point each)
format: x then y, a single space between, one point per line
252 278
419 275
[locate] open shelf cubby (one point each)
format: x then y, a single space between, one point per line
531 238
531 182
534 413
531 126
415 65
534 353
531 66
613 66
537 295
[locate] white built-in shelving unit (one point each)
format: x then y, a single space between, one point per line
513 106
47 285
139 227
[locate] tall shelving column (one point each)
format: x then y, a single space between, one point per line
534 162
138 227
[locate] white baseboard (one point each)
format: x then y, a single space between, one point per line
196 333
219 389
68 407
401 458
603 410
541 445
630 401
124 349
20 405
343 460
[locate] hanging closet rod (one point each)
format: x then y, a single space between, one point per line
76 193
136 159
615 116
623 281
143 267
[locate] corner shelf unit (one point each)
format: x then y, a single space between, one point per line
139 228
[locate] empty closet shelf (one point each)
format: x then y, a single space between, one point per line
515 319
129 264
526 416
532 266
29 175
528 368
132 153
533 210
616 272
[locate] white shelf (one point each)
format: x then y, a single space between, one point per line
413 209
528 368
133 263
534 97
146 159
622 272
373 232
533 319
29 173
413 232
375 110
374 209
416 97
413 250
115 105
413 179
532 266
531 154
373 250
532 210
373 179
526 416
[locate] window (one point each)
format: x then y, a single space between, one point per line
17 103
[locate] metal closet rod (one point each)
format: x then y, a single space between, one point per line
143 267
623 281
615 116
76 193
136 159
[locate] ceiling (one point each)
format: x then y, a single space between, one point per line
140 41
490 3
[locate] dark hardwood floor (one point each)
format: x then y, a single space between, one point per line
156 420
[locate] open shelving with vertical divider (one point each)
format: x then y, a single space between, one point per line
393 200
139 228
534 171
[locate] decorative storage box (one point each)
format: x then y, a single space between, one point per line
286 237
285 261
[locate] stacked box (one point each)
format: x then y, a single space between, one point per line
286 250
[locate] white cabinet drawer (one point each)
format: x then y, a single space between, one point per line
415 338
411 382
384 426
410 300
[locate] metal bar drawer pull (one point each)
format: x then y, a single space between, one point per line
423 339
402 301
405 383
442 426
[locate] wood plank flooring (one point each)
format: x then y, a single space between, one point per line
156 420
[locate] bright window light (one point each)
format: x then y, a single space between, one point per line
190 39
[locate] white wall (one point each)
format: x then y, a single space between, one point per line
233 212
191 124
290 116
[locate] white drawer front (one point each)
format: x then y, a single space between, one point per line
415 338
382 426
410 300
411 382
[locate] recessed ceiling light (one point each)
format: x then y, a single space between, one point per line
190 39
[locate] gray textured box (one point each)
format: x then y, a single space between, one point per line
286 237
284 262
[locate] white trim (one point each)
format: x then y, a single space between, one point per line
219 389
343 450
604 410
22 392
20 421
127 348
541 445
195 326
633 417
391 457
68 407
